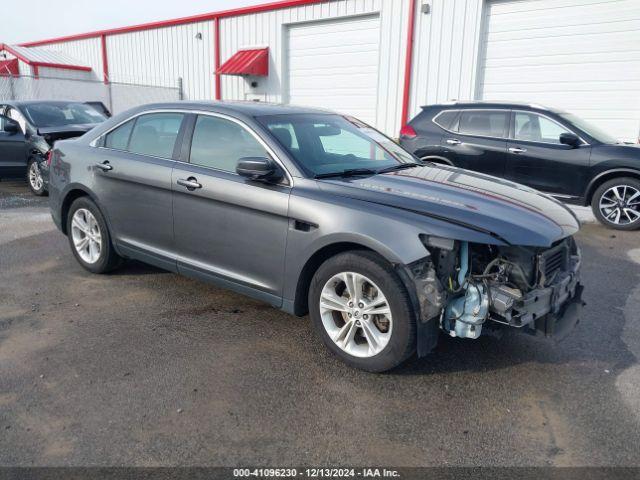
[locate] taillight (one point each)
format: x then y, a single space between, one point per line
408 132
49 155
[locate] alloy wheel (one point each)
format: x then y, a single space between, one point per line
620 205
86 235
35 177
356 314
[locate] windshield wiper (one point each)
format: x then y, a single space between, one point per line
351 172
400 166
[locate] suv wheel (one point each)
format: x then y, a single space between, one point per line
34 178
616 203
89 237
362 311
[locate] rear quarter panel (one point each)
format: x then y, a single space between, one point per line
428 142
70 170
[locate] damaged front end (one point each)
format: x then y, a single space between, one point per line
466 289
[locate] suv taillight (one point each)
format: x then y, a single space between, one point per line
408 132
49 155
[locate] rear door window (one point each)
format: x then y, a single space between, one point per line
118 139
155 134
484 123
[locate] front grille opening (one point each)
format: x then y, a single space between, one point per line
553 261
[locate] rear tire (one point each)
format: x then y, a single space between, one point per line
348 324
34 178
616 203
89 237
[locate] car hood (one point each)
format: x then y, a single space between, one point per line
51 134
620 150
514 213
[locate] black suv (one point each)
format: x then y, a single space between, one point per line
550 150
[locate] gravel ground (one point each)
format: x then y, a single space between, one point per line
146 368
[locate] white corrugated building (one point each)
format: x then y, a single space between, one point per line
381 60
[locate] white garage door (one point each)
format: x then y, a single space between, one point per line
579 55
334 65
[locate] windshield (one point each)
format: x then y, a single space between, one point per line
330 143
591 130
60 114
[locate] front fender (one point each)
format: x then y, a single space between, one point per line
391 232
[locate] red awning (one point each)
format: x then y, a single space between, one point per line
253 62
9 67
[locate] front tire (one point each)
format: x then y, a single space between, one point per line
362 311
89 237
616 203
34 178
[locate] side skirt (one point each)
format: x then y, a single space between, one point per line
206 276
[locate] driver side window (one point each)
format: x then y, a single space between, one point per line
219 143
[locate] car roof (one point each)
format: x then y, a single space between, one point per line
18 103
492 104
248 108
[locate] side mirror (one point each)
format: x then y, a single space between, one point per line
569 139
11 126
258 168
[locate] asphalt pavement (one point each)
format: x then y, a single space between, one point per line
146 368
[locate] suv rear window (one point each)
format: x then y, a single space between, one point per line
485 123
445 118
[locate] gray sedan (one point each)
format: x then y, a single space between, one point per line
316 212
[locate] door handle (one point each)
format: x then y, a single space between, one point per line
453 141
104 166
517 150
190 183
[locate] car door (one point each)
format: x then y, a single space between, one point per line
537 158
132 180
229 229
477 140
13 148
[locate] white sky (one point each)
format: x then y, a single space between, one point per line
30 20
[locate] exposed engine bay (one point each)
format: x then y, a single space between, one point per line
470 287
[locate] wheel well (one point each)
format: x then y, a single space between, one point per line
301 306
605 178
66 204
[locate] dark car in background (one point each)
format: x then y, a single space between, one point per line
550 150
28 130
315 212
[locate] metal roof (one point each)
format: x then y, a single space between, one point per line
44 58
